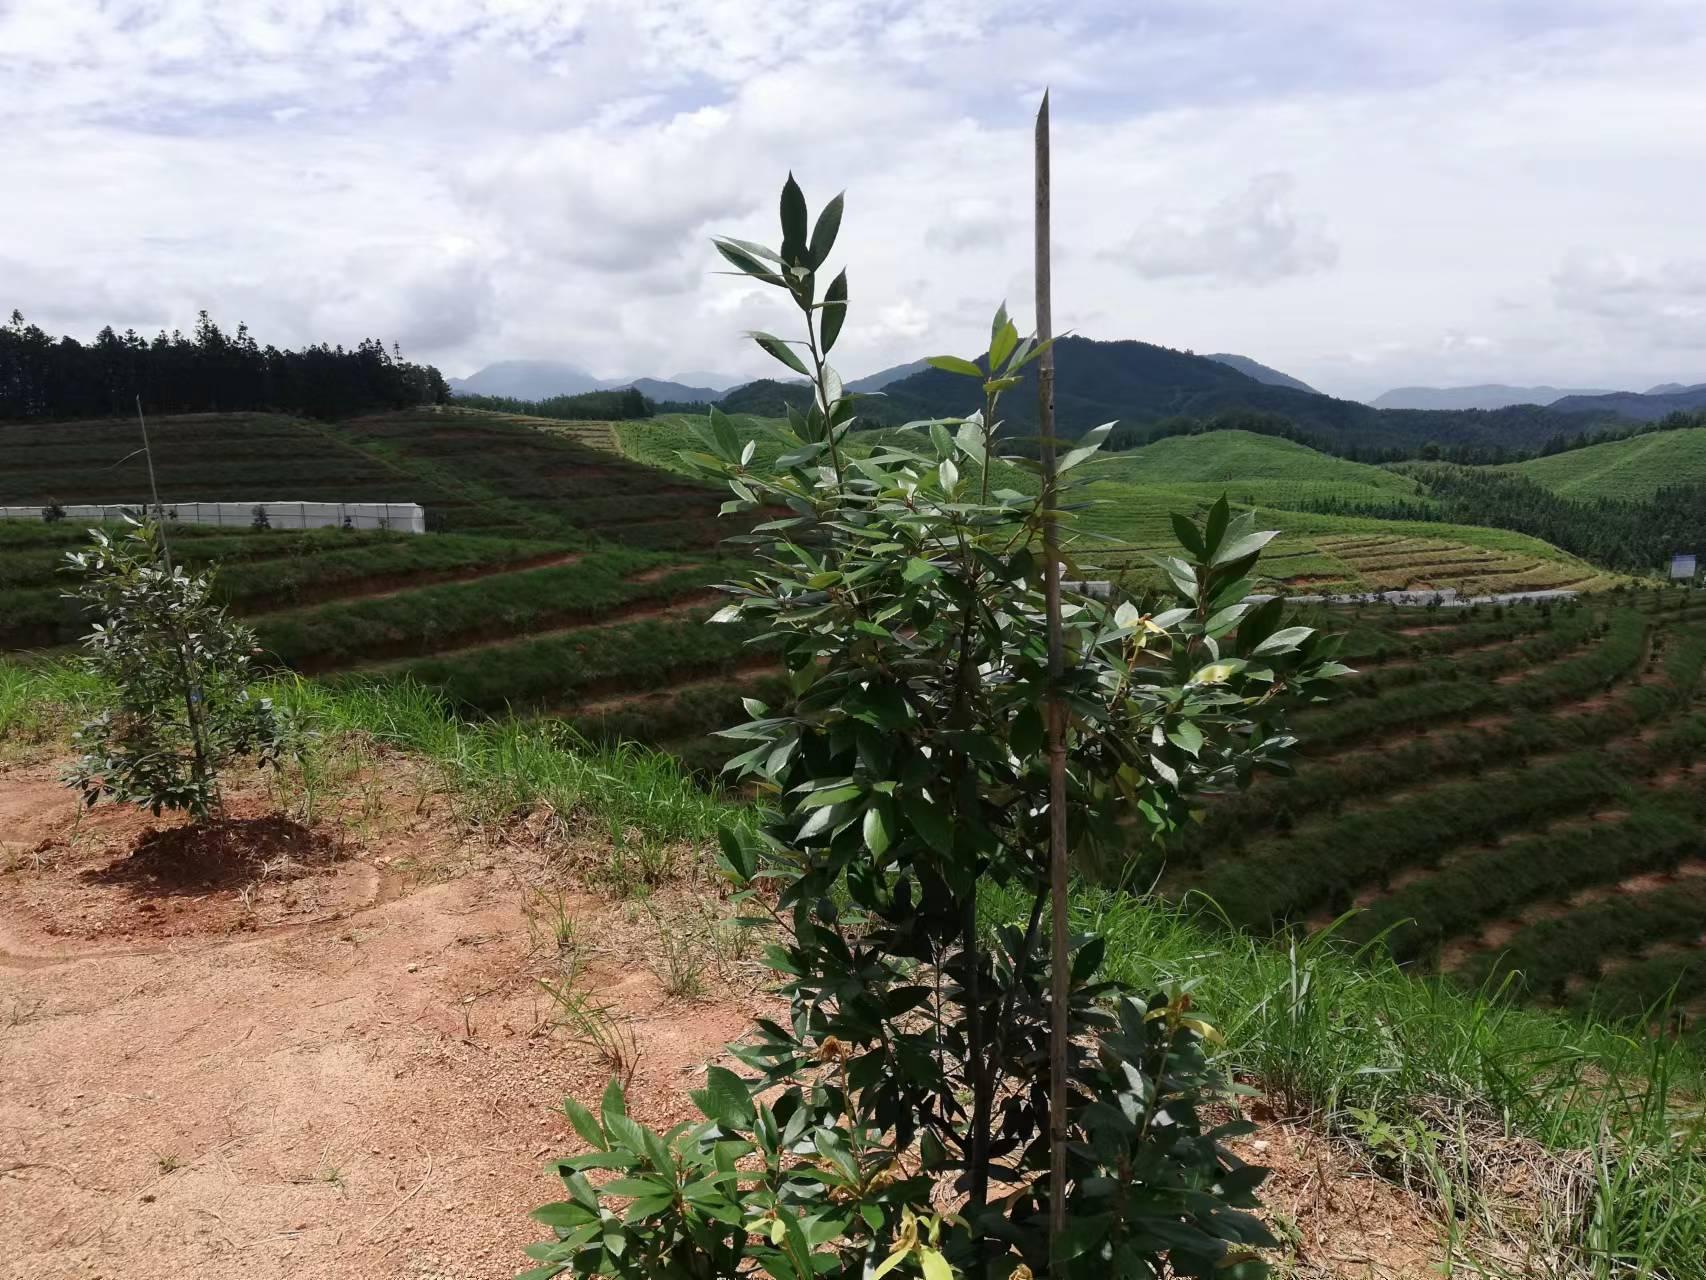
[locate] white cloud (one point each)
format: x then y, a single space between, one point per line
1253 237
482 179
1659 302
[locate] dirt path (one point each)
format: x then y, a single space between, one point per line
368 1093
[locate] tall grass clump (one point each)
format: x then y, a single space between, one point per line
1599 1126
38 701
506 765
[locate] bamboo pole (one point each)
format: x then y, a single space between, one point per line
1060 963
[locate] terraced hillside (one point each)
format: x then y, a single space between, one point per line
563 579
1127 505
1631 469
1503 791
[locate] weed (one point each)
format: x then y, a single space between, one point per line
679 953
593 1026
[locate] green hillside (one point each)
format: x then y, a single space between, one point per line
1139 383
1132 496
1630 469
1251 467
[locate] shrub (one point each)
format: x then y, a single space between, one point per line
177 668
908 777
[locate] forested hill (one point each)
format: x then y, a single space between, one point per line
1138 383
209 371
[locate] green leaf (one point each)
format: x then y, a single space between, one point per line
562 1213
832 795
1090 443
1284 640
878 828
935 1265
781 351
1215 527
585 1123
1003 338
725 1099
824 232
1186 736
737 859
613 1104
794 249
724 435
1248 545
930 821
919 570
953 364
1189 536
834 310
745 261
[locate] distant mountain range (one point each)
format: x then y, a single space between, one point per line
1261 373
1650 407
1140 384
542 379
1490 395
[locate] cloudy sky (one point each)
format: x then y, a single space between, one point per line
1363 193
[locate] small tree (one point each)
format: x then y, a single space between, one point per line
258 518
178 670
908 781
53 513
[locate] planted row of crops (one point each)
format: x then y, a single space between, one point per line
40 617
433 619
559 671
1416 707
548 480
1546 954
1486 794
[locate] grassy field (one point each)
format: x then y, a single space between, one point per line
1635 468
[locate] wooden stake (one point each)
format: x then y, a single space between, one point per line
1060 972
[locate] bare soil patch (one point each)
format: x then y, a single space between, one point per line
367 1086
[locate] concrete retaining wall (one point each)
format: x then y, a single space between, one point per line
405 517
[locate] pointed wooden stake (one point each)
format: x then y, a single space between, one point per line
1061 959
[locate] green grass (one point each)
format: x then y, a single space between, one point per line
1631 469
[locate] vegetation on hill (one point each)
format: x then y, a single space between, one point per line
1138 383
1632 468
1636 535
586 406
210 371
1647 407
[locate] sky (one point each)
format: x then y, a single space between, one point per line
1363 194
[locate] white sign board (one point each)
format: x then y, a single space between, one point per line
1682 566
